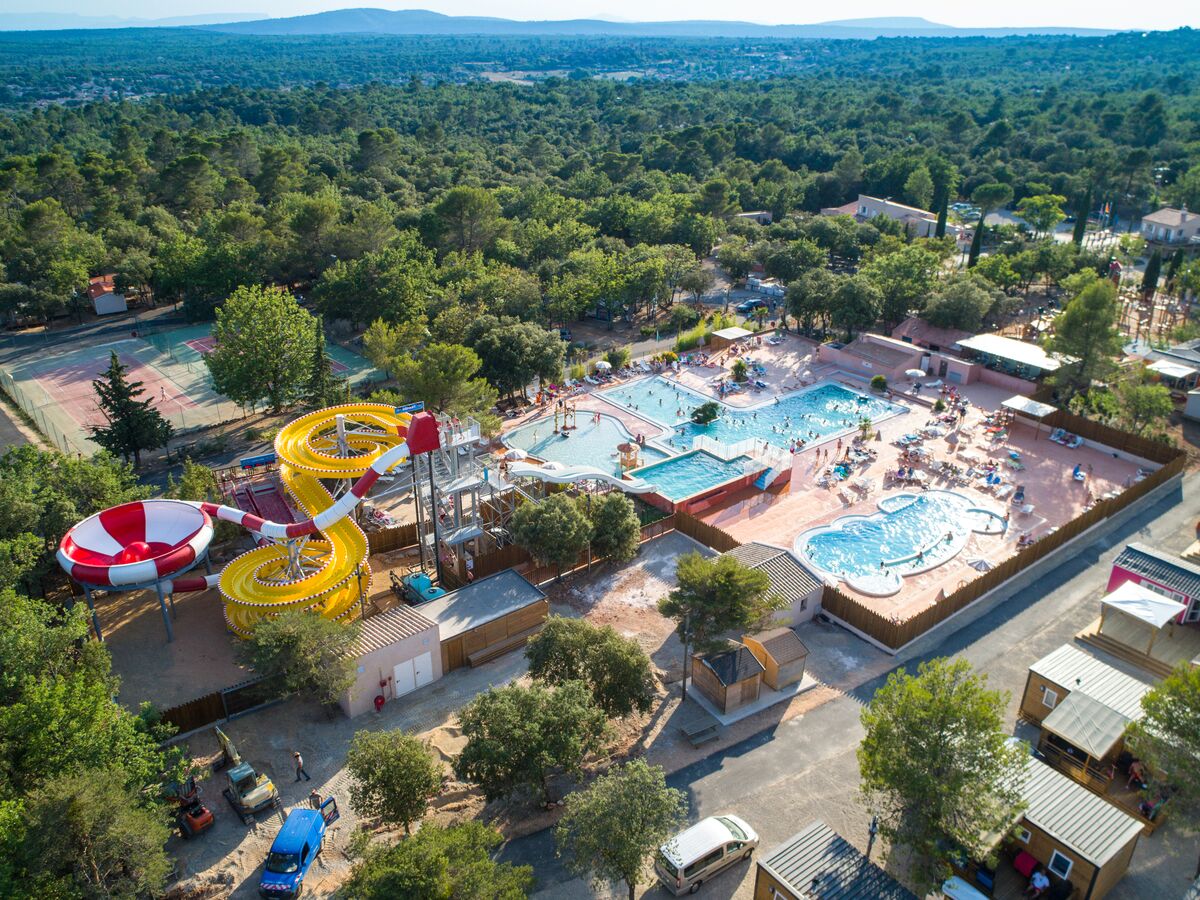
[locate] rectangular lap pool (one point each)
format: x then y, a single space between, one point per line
812 414
681 477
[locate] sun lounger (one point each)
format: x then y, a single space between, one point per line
1076 441
1027 509
1003 491
1058 434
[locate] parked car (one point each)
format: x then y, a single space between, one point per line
693 857
748 306
296 846
565 334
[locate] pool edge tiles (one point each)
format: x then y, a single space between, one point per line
931 552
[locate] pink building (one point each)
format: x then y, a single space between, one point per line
1162 573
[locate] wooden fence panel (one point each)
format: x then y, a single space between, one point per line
195 713
709 535
386 539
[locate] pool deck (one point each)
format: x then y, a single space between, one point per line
777 517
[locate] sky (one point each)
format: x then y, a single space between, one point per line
1164 14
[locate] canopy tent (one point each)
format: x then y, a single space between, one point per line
1030 407
1169 369
1018 353
1143 604
1086 723
733 333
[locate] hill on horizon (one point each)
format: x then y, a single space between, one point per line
426 22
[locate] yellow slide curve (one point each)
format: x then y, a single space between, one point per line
255 584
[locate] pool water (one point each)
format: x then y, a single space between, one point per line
591 444
692 473
911 533
812 414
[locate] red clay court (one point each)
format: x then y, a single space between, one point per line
70 387
206 345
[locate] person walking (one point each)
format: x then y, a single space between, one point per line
299 761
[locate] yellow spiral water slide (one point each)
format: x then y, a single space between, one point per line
319 572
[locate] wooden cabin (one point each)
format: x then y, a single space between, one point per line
782 655
819 864
729 679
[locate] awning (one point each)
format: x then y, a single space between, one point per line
1141 603
733 333
1028 406
1086 723
1012 350
1171 369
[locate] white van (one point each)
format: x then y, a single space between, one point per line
687 860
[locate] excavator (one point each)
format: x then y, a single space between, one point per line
249 792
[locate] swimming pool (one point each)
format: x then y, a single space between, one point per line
813 413
693 473
591 444
911 533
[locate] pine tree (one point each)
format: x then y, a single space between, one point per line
134 424
943 212
1081 217
322 385
1150 279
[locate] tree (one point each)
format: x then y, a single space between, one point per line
736 257
961 303
393 776
1166 738
616 669
323 388
903 279
134 424
439 863
1086 330
706 412
442 375
1083 209
300 652
263 351
513 353
394 284
469 218
809 300
712 596
85 833
697 282
554 531
1143 406
937 767
518 736
610 830
987 197
1152 274
616 529
918 188
1042 211
855 304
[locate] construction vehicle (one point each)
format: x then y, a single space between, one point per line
249 792
191 815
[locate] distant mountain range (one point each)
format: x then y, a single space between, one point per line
421 21
67 21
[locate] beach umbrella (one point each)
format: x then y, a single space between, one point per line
603 365
807 373
915 373
980 564
515 453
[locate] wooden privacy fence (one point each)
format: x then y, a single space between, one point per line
227 703
708 535
895 634
1146 448
393 538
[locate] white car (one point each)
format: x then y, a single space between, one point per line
689 859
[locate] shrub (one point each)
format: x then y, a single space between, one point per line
740 369
392 776
879 383
706 412
577 371
618 357
667 356
939 405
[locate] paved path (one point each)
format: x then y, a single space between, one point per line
805 768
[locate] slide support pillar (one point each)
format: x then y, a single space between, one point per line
166 616
87 592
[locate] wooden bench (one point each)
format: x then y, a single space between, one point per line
701 732
487 654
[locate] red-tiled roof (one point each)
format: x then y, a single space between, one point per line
99 285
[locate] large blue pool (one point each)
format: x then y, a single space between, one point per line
811 414
590 444
692 473
911 533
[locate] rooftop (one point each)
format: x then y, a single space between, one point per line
480 602
917 330
389 627
733 665
1011 349
783 645
1076 670
733 333
820 864
1170 216
1164 568
1143 604
1087 724
1068 812
789 579
884 351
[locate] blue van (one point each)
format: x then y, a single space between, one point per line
295 848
